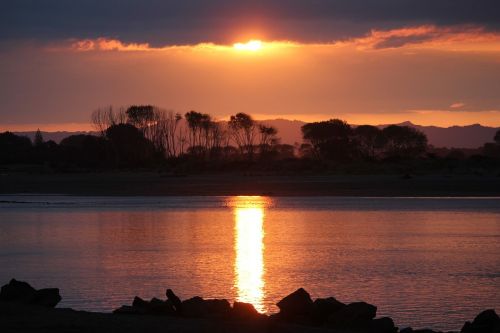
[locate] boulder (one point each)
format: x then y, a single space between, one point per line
154 307
22 292
406 330
159 307
197 307
17 291
244 311
140 303
323 308
485 322
382 325
127 309
174 300
353 316
297 304
48 297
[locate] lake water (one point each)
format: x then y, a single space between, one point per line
426 262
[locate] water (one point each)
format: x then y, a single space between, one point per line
426 262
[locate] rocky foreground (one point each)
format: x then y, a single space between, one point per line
25 309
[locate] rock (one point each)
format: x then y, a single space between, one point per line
485 322
244 311
48 297
424 330
174 300
154 307
297 304
22 292
323 308
17 291
198 307
353 316
406 330
159 307
127 309
140 303
383 325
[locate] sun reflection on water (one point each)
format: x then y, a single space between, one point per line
249 247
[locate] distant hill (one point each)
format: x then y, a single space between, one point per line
472 136
55 136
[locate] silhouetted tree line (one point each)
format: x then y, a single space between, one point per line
144 136
337 140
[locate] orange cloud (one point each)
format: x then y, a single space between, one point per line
104 44
420 37
429 36
457 105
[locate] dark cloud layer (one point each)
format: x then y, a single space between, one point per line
192 21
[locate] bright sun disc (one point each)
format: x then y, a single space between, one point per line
253 45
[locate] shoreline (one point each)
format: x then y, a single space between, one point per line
156 184
26 309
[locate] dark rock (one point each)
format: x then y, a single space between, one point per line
198 307
297 304
156 301
244 311
127 309
424 330
323 308
353 316
154 307
159 307
22 292
17 291
406 330
485 322
140 303
383 325
174 300
217 307
48 297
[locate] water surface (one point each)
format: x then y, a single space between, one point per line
426 262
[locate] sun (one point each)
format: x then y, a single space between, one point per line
252 45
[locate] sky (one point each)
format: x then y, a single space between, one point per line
432 62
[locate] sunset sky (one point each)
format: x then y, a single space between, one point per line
373 61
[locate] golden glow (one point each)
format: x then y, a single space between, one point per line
249 247
252 45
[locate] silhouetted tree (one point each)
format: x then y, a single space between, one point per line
404 141
38 142
368 139
14 148
329 139
171 132
242 128
83 150
497 137
103 118
140 115
194 120
129 146
268 138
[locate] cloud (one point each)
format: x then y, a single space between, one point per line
457 105
461 38
104 44
172 22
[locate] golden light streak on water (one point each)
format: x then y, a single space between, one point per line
249 247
